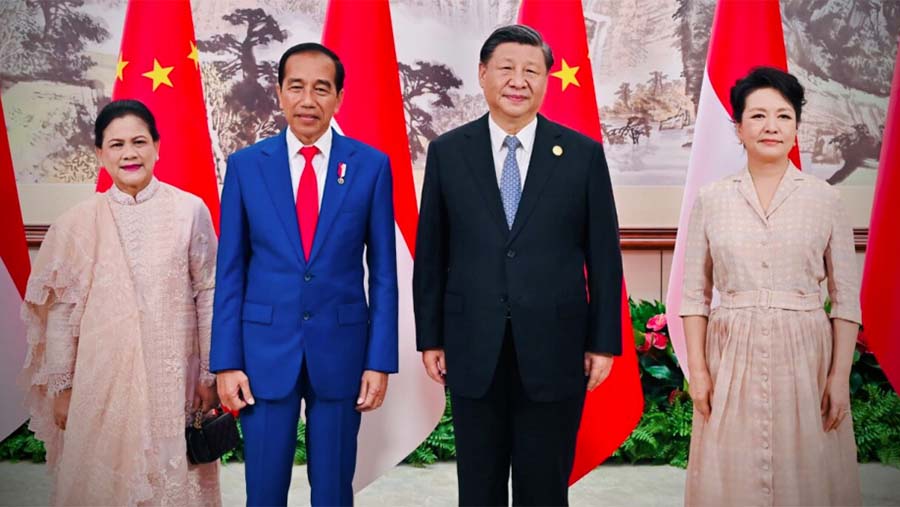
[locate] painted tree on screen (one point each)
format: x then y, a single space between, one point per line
53 43
250 98
425 80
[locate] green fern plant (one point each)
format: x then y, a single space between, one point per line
661 437
300 450
876 421
440 445
22 446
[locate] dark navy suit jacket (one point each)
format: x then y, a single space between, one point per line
473 276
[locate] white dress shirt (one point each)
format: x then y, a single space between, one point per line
523 154
320 161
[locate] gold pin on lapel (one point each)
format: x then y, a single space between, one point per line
557 150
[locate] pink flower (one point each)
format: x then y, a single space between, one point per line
647 343
657 322
657 340
653 339
676 393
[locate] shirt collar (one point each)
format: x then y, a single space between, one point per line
144 195
526 135
323 143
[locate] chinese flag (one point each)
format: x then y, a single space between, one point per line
159 65
372 112
880 288
14 269
744 35
612 410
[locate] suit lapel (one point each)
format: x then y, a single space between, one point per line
334 194
540 168
480 158
276 173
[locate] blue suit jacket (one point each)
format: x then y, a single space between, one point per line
272 307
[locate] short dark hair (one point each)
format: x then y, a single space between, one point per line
519 34
120 109
313 47
766 77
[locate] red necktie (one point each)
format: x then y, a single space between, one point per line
308 201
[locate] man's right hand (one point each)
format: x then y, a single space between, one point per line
234 389
435 364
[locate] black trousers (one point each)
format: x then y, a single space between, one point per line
506 428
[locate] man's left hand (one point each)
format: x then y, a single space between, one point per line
596 368
371 390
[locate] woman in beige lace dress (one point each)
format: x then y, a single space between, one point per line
769 368
118 309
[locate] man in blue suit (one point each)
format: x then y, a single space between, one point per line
291 322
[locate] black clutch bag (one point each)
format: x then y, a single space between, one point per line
209 439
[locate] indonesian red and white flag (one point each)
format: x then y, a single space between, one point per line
161 68
14 270
372 112
881 276
612 410
744 35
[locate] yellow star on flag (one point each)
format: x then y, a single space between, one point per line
120 66
567 75
159 75
194 55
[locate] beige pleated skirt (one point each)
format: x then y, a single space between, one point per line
764 443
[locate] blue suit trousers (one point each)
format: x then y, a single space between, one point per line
270 440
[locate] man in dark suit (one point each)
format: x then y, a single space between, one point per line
300 212
514 209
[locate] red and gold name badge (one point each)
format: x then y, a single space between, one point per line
342 171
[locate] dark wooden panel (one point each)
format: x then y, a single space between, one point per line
664 238
632 238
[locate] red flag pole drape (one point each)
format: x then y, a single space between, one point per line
161 68
372 112
14 269
612 410
13 248
880 294
735 47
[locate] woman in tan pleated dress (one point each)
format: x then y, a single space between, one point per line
769 368
118 309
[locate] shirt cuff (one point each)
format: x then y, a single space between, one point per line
694 309
844 313
58 382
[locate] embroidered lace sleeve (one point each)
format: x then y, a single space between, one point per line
62 344
52 309
203 280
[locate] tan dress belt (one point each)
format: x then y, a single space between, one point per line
770 299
